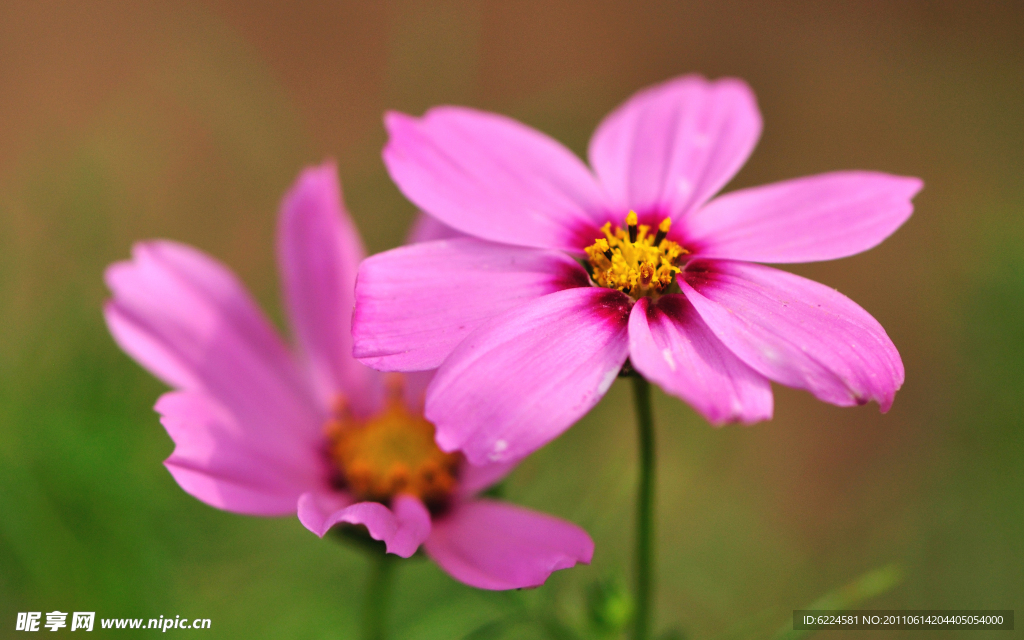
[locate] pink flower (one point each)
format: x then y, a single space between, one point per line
260 432
573 270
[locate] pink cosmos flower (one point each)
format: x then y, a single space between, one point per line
262 432
572 270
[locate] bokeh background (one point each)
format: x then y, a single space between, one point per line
127 120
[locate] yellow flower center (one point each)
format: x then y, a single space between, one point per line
634 261
390 453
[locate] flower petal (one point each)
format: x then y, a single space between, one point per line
426 228
671 346
403 527
796 331
415 303
822 217
494 178
525 377
227 466
414 388
672 146
319 251
491 545
474 478
185 317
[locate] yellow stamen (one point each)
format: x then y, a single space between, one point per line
389 453
663 229
633 261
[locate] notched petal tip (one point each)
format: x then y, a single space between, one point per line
916 184
326 170
885 403
811 218
394 120
798 332
115 272
402 528
741 417
673 145
316 188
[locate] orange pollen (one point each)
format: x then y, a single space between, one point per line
391 452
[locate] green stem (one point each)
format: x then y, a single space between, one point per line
378 594
644 510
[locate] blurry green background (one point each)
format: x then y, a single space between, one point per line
122 120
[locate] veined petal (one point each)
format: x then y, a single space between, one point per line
492 545
671 346
522 379
319 251
185 317
403 527
230 467
671 147
822 217
492 177
796 331
414 304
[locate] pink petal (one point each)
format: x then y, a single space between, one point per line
491 545
823 217
674 145
319 251
796 331
671 346
475 478
227 466
186 318
403 527
414 388
426 228
415 303
522 379
492 177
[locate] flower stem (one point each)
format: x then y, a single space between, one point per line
644 510
378 595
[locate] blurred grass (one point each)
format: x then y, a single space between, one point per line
197 120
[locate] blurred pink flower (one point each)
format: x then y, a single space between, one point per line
260 432
527 340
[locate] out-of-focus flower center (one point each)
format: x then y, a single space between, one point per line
390 453
633 260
